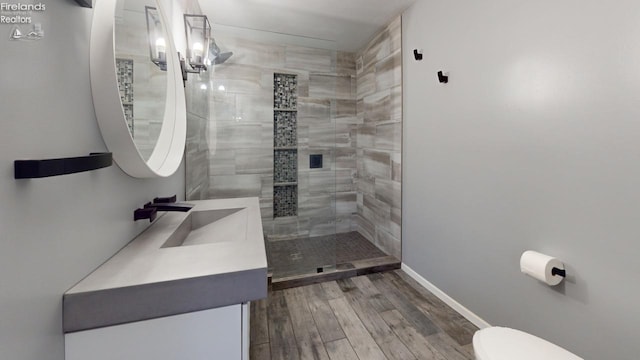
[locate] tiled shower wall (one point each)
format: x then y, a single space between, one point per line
197 90
149 82
379 139
197 94
349 110
241 131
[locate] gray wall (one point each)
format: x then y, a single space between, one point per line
533 144
54 231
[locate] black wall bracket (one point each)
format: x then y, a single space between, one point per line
85 3
417 54
186 70
29 169
442 77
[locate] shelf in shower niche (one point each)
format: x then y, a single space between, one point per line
276 109
30 169
285 184
285 201
285 148
285 218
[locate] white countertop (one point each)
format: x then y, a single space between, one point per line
221 272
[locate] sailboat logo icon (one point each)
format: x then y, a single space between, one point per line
16 34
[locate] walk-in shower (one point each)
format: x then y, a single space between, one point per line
315 134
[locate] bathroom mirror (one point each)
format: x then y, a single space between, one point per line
142 83
137 87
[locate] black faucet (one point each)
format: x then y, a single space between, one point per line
184 207
150 209
168 204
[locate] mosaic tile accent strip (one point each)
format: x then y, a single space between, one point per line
125 79
125 85
285 129
285 91
128 115
285 166
285 134
285 200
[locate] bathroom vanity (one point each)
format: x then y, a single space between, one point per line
180 290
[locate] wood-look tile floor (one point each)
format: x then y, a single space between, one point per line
382 316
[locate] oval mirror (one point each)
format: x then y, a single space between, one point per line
137 87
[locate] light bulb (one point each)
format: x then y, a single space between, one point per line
161 48
197 52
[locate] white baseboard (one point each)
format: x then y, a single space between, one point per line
468 314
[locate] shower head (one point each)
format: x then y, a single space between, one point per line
217 57
222 58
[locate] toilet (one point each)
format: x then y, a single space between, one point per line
500 343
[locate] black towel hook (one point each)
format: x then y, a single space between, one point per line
442 77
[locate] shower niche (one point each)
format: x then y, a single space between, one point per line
285 145
125 85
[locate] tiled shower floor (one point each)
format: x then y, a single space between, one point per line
308 260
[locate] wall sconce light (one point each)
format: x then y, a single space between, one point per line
198 32
157 42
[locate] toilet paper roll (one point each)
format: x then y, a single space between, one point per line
539 266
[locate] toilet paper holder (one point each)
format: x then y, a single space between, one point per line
542 267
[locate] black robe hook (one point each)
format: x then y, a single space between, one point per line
442 77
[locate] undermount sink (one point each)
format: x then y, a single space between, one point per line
209 227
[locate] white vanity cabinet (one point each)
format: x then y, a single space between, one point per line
139 304
220 333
